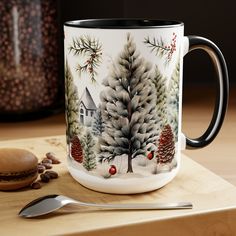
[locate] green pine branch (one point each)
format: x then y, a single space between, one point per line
157 46
91 49
161 48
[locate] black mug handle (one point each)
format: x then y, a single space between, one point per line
217 58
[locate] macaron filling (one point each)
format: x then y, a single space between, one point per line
20 175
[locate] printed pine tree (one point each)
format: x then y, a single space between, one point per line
89 161
98 124
166 146
128 108
173 101
72 106
173 121
161 102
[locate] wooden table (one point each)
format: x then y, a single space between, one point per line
214 201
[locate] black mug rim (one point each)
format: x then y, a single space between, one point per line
123 23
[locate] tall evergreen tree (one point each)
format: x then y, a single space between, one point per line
128 107
173 101
98 124
72 106
161 102
89 161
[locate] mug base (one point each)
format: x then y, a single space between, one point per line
131 185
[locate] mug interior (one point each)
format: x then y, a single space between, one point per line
123 23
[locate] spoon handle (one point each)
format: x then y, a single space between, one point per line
141 206
130 206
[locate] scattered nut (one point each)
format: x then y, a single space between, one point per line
56 161
36 185
46 160
47 165
45 178
52 156
52 174
41 168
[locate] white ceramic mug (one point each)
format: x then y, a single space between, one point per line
124 101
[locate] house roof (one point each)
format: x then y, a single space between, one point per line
88 100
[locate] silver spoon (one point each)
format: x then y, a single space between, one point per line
49 203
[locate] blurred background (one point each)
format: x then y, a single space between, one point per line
31 60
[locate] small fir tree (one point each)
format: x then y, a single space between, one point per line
173 121
89 161
161 100
128 108
98 124
166 146
173 101
76 150
72 106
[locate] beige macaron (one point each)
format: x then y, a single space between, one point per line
18 168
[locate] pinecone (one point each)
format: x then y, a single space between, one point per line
166 147
76 150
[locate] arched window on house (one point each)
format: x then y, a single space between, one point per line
81 115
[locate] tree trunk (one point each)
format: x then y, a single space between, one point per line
130 168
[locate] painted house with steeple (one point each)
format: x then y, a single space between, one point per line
87 108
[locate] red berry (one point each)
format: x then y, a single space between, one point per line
150 155
112 170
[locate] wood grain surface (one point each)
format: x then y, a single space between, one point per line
213 198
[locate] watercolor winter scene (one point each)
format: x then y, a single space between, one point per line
122 109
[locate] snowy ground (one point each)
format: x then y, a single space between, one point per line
146 176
